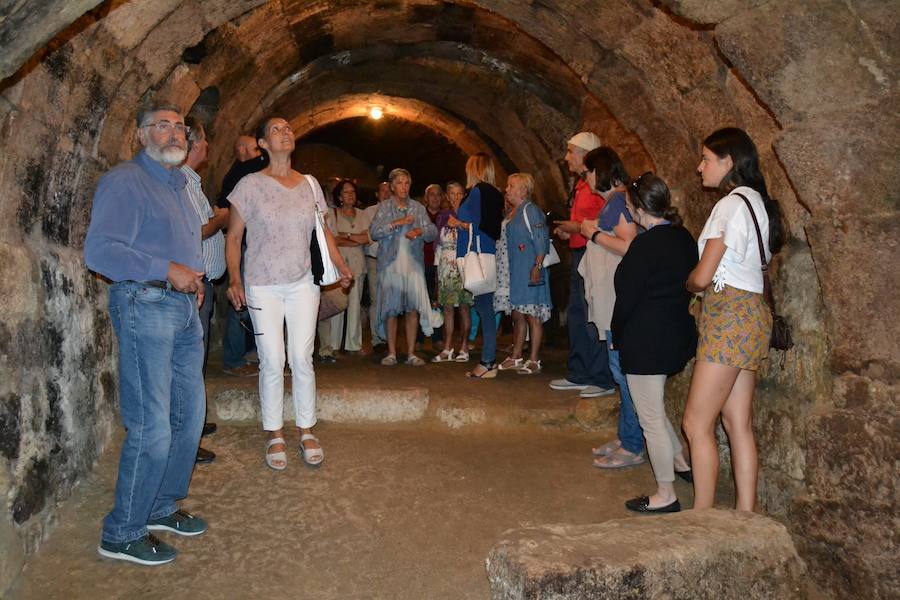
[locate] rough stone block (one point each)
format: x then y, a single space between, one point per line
340 405
853 550
854 457
689 555
855 260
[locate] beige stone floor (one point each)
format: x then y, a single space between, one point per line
398 511
394 513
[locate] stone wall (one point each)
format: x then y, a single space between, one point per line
814 82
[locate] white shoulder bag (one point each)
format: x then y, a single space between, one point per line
552 257
330 274
479 269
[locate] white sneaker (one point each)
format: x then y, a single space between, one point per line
593 391
565 384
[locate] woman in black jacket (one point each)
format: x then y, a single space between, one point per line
653 331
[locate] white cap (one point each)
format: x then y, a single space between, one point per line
585 140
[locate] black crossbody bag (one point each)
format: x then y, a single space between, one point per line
781 338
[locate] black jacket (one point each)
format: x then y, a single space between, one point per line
651 326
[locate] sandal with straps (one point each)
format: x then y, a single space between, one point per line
510 364
443 356
462 356
490 372
276 457
313 457
530 367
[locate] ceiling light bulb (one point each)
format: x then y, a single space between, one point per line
376 112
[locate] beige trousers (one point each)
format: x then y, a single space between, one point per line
648 395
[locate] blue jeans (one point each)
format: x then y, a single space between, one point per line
234 342
588 363
161 398
484 308
630 433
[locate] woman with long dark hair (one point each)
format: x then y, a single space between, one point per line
735 325
653 331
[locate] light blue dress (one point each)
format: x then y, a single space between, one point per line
517 251
401 278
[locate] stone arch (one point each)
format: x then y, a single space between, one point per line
813 82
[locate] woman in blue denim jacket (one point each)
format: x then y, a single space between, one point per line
402 227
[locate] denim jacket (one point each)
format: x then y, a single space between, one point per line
388 238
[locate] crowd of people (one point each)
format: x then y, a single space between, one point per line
635 274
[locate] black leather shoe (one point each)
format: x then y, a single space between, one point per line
686 475
208 429
205 456
641 504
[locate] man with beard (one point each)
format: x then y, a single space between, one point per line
144 237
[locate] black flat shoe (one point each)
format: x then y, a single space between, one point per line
204 456
208 429
686 475
641 505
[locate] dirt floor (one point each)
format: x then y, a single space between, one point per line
394 513
405 511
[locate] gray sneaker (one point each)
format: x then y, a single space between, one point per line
148 550
181 522
565 384
593 391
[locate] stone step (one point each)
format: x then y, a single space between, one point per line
236 401
709 554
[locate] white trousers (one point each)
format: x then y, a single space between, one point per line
648 395
296 304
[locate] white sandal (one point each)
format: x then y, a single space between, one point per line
462 357
443 356
272 458
530 367
510 364
313 457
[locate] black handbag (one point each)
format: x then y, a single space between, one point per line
781 338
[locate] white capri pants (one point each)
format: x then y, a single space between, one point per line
296 304
648 395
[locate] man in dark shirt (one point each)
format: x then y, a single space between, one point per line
249 158
144 237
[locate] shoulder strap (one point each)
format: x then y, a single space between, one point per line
525 214
316 190
767 287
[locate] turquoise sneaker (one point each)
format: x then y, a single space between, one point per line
181 522
148 550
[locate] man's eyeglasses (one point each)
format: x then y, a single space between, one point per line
241 322
166 128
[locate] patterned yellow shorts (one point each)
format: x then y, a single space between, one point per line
735 327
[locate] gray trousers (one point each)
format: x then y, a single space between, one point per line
648 395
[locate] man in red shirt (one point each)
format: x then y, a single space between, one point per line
588 362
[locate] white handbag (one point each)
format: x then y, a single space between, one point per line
330 273
479 269
552 257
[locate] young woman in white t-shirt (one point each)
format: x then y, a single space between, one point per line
735 324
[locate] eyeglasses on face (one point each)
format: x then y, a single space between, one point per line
166 128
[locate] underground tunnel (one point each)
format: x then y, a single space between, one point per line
814 82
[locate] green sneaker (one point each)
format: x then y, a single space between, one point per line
181 522
148 550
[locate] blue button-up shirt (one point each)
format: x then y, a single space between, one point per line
141 221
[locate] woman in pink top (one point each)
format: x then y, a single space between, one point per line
278 207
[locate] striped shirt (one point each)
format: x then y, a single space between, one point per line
214 245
